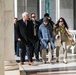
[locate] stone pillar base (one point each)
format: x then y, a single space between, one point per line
23 73
13 72
11 65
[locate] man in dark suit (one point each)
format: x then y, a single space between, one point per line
25 35
15 37
36 25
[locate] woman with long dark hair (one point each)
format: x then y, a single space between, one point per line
61 36
62 20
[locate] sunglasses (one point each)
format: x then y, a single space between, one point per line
33 16
60 21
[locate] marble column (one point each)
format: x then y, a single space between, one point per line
9 58
1 37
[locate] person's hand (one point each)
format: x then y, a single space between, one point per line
49 18
19 39
57 37
54 26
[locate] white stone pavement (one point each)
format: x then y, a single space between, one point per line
40 66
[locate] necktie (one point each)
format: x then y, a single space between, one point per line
25 23
34 28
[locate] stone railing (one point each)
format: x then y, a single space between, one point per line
73 48
73 32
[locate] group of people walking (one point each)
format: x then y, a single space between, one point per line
32 37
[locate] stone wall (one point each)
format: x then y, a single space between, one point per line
74 14
30 6
67 12
21 8
53 10
43 8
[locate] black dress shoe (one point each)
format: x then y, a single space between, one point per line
18 55
37 59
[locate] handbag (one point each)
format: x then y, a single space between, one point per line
58 42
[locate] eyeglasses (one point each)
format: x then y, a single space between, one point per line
33 16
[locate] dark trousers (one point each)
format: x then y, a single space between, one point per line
23 52
26 50
36 49
15 46
18 47
29 53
